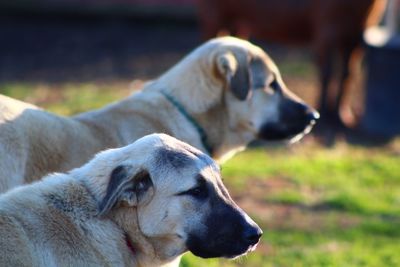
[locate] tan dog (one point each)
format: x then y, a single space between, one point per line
141 205
223 95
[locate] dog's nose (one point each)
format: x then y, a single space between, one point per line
253 235
312 115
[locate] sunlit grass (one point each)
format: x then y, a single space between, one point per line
349 178
67 99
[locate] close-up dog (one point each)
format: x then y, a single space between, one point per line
222 96
141 205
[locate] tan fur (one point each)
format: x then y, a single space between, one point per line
34 142
57 222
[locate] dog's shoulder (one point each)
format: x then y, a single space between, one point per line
11 232
10 108
56 213
55 193
18 119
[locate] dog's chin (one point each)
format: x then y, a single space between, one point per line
299 136
228 251
215 254
235 256
281 132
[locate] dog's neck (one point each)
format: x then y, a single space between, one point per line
224 140
198 94
142 248
212 126
129 244
200 130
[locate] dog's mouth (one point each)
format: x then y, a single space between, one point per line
307 130
229 234
238 255
295 121
276 131
220 247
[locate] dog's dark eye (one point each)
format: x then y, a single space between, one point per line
198 192
274 85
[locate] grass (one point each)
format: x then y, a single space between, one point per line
69 98
317 206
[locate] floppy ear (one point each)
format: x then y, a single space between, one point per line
127 186
236 73
258 73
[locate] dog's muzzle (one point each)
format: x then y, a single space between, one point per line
229 234
294 119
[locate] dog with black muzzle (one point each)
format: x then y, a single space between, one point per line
294 118
141 205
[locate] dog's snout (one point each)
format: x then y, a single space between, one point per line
251 232
252 235
312 115
295 118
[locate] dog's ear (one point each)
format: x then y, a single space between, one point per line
127 186
235 70
258 73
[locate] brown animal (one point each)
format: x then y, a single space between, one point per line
333 28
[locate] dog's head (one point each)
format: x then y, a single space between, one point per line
172 194
257 98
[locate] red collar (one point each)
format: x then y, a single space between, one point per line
129 244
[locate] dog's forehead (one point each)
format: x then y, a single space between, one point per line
182 157
211 173
175 158
185 165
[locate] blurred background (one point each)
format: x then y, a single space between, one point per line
331 200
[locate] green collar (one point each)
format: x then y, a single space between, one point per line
182 110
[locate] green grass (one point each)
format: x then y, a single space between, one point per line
355 179
317 206
67 99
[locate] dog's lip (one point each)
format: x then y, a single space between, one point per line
293 138
307 130
312 123
250 248
232 257
309 127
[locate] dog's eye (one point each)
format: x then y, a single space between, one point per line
274 85
198 192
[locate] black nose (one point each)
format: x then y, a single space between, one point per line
312 115
253 235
